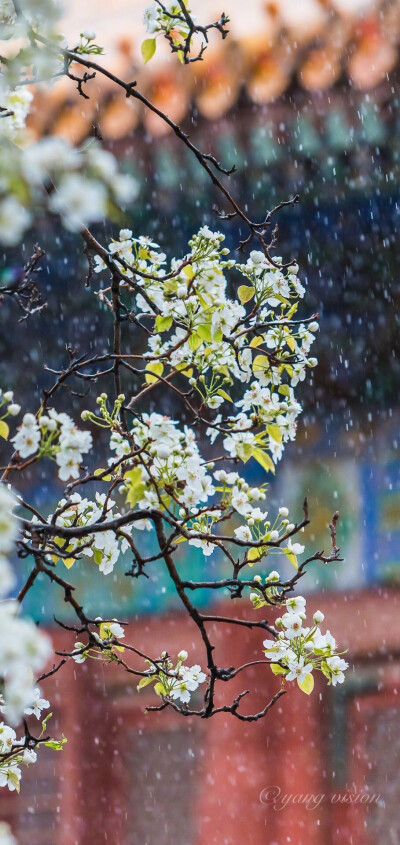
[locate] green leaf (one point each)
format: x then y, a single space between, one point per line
281 298
264 459
97 556
163 323
290 556
325 668
276 669
284 390
224 395
56 744
4 430
68 561
148 49
159 689
244 451
275 432
194 341
290 342
257 341
292 311
153 369
254 554
144 682
189 273
218 336
204 331
307 685
245 293
105 477
136 487
261 363
201 299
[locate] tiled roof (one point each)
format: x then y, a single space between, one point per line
272 43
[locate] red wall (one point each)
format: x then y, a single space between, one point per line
125 777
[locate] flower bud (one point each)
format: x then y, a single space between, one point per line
274 536
29 419
14 409
318 617
8 395
163 451
183 655
283 512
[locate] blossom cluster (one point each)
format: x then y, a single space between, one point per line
171 473
80 185
219 343
15 754
173 682
299 650
25 649
171 465
105 647
103 546
166 19
53 435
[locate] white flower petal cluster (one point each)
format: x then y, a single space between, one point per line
103 546
13 755
108 632
174 682
24 653
200 330
49 174
171 462
38 704
16 104
27 439
55 177
300 650
167 19
25 649
56 436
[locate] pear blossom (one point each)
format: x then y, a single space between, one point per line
298 670
337 667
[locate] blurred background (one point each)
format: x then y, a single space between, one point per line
304 98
